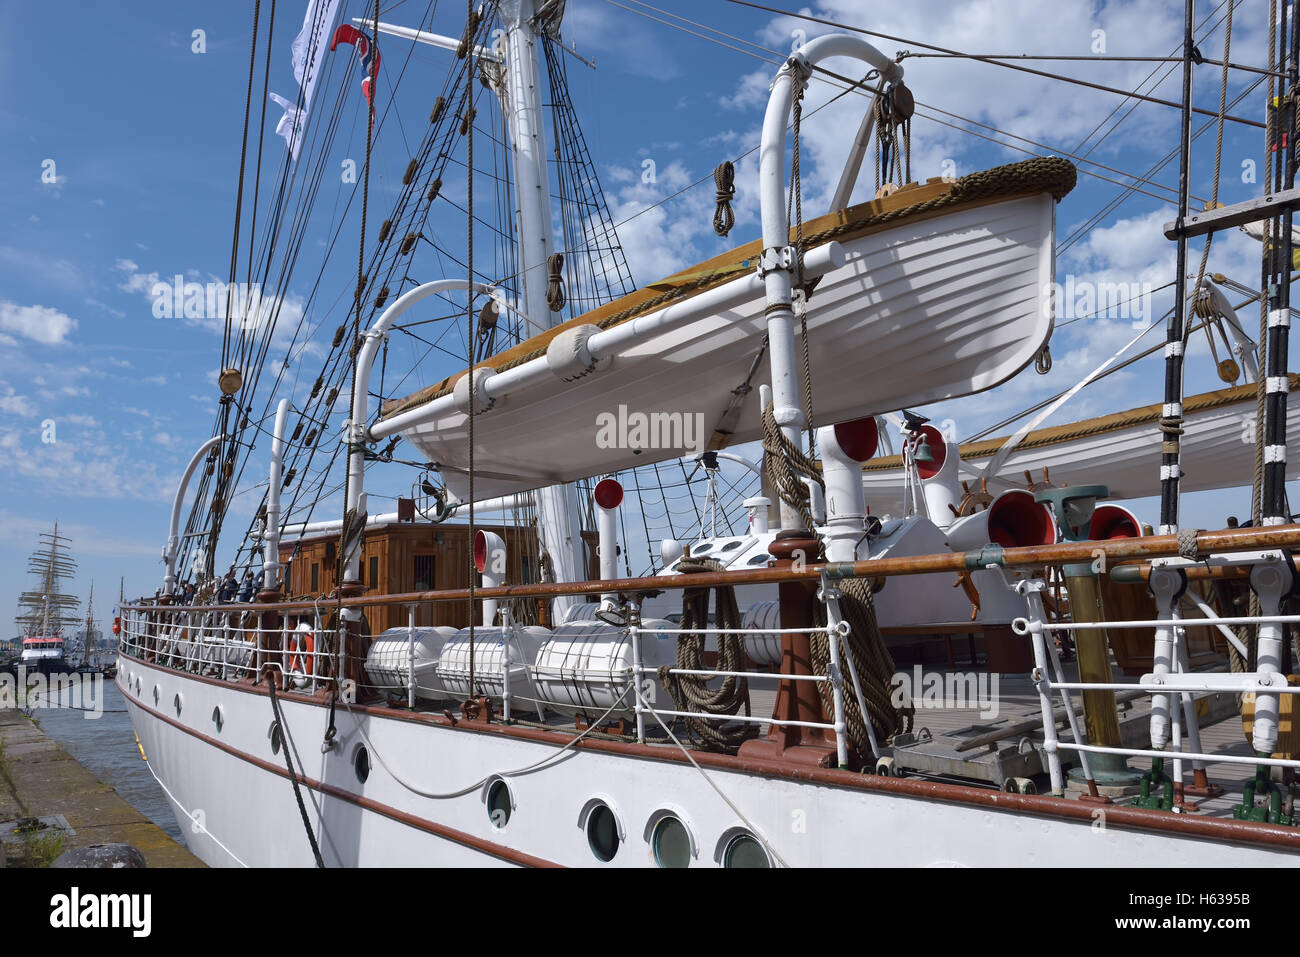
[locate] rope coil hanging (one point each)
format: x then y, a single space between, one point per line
692 692
555 298
724 178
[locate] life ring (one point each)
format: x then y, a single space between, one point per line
302 653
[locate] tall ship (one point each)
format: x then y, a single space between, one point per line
429 645
46 613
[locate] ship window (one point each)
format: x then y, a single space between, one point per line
498 804
218 718
156 695
701 548
274 735
315 577
758 560
731 546
374 571
602 832
423 580
176 703
744 851
361 763
671 843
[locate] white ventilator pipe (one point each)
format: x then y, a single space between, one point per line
778 258
609 496
271 542
357 437
758 506
609 343
490 561
171 549
844 448
942 490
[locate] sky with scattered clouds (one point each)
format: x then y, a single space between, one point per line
123 148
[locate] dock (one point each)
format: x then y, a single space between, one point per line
40 780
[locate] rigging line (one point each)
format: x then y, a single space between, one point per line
1122 197
1052 149
261 136
1086 172
1010 66
1176 52
1099 58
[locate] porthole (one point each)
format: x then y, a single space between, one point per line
274 735
760 559
156 695
499 806
361 763
177 704
731 546
602 832
743 850
671 843
701 548
218 718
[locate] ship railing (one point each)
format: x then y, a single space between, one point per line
228 642
148 624
1172 685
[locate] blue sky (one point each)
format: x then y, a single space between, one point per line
144 135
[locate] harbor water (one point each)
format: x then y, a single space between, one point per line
106 746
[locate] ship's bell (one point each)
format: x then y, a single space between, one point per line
923 453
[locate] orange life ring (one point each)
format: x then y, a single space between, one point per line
302 645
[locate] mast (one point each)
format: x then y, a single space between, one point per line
557 505
47 610
90 628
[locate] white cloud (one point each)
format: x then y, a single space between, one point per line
15 404
38 323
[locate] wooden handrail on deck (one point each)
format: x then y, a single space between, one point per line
1115 550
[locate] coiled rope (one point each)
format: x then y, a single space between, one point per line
555 297
785 466
724 178
692 692
875 667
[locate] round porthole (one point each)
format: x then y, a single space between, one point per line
176 703
156 695
731 546
498 804
701 548
671 843
275 737
744 851
361 763
218 718
602 832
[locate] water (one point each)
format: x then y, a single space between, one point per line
106 747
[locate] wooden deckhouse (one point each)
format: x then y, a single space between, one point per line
408 556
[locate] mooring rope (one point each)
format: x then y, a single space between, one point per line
288 763
724 179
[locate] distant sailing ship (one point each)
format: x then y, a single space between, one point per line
45 611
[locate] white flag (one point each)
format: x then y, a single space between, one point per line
309 49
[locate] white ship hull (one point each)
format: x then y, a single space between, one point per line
236 806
